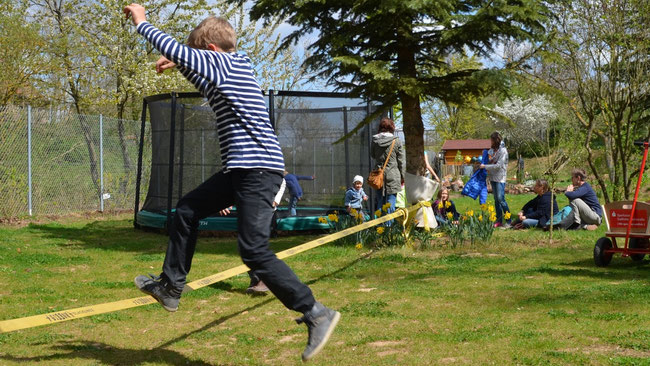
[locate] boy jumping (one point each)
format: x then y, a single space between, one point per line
252 173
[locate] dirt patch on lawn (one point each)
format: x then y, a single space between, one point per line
386 343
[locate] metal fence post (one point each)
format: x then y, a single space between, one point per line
202 156
346 145
373 197
29 159
101 163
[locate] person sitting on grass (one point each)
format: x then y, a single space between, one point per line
586 212
445 209
537 211
355 196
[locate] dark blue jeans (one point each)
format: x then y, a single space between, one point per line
293 203
382 200
500 204
252 192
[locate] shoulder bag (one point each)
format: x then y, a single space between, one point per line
376 177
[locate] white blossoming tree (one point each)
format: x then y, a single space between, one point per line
524 122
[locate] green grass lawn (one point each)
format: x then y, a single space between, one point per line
515 300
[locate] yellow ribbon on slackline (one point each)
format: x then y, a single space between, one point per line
425 204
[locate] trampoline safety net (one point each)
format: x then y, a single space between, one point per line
183 132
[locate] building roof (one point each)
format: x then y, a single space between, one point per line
466 144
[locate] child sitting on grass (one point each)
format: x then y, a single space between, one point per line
444 208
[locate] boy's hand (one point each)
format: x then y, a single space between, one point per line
136 11
163 64
225 211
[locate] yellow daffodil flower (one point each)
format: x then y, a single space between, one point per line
470 213
322 220
440 205
378 213
450 215
507 215
491 208
333 217
359 246
447 204
493 217
480 218
380 230
484 207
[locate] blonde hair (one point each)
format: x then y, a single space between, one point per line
215 30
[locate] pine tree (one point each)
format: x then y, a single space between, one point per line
396 51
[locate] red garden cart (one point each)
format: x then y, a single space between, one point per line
629 220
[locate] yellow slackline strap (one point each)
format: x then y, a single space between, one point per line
65 315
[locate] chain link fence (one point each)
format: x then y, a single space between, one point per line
56 162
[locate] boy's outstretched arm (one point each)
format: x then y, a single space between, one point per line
198 65
137 13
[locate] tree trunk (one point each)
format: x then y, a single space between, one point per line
411 112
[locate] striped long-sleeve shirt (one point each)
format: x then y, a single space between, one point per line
226 80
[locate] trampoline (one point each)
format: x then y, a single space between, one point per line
184 148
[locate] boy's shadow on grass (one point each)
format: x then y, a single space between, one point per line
110 235
110 355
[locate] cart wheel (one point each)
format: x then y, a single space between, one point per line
601 258
634 244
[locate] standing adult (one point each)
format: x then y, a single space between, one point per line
586 212
395 165
430 170
295 190
496 168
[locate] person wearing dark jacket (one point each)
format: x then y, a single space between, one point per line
537 211
295 190
586 212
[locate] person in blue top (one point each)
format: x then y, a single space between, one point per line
295 190
537 211
586 212
253 166
355 196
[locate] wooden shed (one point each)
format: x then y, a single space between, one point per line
466 147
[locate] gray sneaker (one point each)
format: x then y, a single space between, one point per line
320 321
159 290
